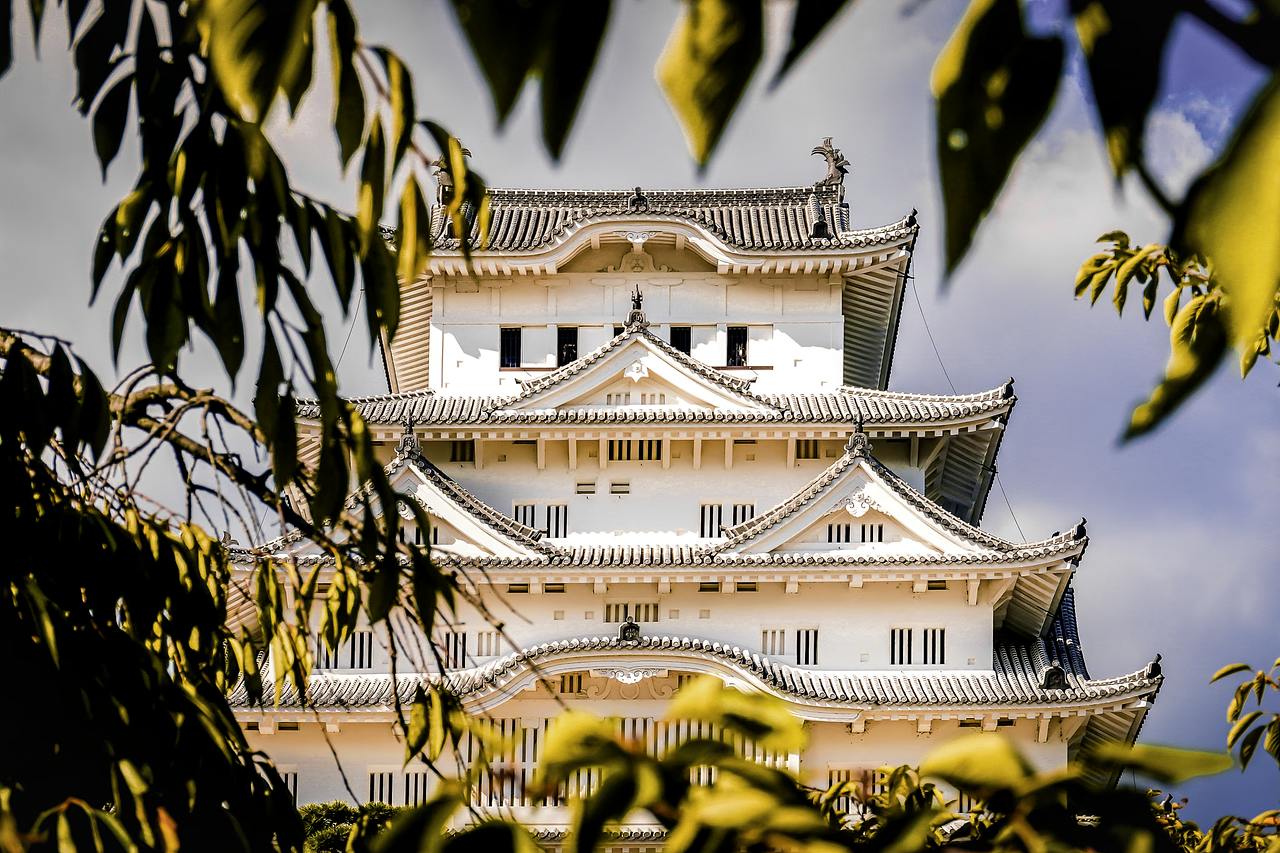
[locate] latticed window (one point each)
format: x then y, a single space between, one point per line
509 348
712 519
571 683
645 611
839 532
557 520
382 787
415 787
646 450
290 779
524 514
462 451
807 448
488 644
933 649
355 653
807 647
773 641
900 646
872 532
743 512
455 649
736 355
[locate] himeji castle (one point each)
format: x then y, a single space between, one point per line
652 430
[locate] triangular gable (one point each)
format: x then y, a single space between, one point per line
637 368
470 527
859 506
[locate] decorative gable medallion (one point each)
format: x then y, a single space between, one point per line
636 371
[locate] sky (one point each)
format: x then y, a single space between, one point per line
1182 524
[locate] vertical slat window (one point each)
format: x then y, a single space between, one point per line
524 514
415 787
807 647
736 351
382 787
711 522
649 450
455 649
571 683
620 451
807 448
566 344
290 779
743 512
900 647
933 650
557 521
872 532
463 451
355 653
773 641
488 644
682 338
839 533
509 349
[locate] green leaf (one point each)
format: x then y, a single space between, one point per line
109 121
6 37
419 725
493 836
93 53
413 238
1250 745
500 35
228 325
977 764
1123 43
266 401
610 801
348 94
1130 268
104 251
706 65
577 739
417 830
1272 743
382 291
568 47
284 443
810 19
400 87
1231 669
1171 304
763 718
1088 269
1198 342
257 49
994 86
1162 763
373 185
1231 216
1241 727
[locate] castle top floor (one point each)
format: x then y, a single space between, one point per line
770 285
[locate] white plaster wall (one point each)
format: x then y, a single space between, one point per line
795 324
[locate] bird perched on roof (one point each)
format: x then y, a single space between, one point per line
836 163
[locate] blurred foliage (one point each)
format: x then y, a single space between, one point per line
1254 727
117 606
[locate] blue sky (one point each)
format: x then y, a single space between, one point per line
1183 533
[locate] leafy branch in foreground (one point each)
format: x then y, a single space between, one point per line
1252 728
1198 337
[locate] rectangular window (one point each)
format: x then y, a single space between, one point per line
645 450
455 649
509 353
488 644
524 514
620 487
415 787
807 647
807 448
566 344
462 451
380 787
517 588
933 651
872 532
900 647
435 534
571 683
682 338
645 611
937 586
743 512
355 653
620 451
585 488
557 521
746 586
838 532
553 587
712 519
617 330
773 641
709 586
290 779
736 352
287 726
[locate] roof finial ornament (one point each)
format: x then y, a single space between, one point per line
443 175
1153 668
629 631
638 202
1055 677
859 445
408 448
836 164
635 317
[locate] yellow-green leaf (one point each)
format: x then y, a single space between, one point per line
706 65
1168 765
1198 342
977 763
764 719
1231 669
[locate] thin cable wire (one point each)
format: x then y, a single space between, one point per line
920 305
351 328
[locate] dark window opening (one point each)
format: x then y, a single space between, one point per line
736 356
464 450
682 338
566 344
510 351
617 330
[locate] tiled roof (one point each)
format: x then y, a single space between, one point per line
503 524
736 536
775 219
1018 673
